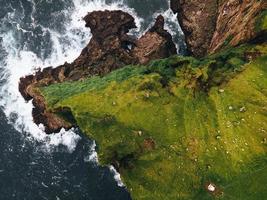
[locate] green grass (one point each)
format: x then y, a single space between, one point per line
178 124
261 23
58 92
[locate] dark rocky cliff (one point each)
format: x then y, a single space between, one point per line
197 19
211 25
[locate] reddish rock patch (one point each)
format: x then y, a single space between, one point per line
236 23
210 25
149 144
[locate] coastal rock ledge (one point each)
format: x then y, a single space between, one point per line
110 48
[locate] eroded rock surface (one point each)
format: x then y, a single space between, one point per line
197 19
236 23
210 25
156 43
110 48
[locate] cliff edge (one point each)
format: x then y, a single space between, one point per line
210 26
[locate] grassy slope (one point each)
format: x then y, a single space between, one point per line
169 136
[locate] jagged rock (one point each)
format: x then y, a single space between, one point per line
197 19
28 87
156 43
110 48
236 23
52 122
210 26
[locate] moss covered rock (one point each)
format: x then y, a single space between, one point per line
179 128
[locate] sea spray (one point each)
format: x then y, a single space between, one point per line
117 176
173 28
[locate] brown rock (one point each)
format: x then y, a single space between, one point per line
154 44
236 23
210 25
197 19
149 144
109 23
52 122
107 49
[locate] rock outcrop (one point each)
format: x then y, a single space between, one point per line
236 23
197 19
211 25
110 48
156 43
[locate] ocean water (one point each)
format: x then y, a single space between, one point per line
41 33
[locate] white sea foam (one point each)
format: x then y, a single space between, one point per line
171 23
117 176
92 156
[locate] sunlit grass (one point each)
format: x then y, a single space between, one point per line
178 124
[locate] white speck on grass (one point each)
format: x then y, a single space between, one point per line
242 109
211 187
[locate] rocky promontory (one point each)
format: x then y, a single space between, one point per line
111 47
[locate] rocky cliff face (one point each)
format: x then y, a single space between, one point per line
197 19
237 23
211 25
110 48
